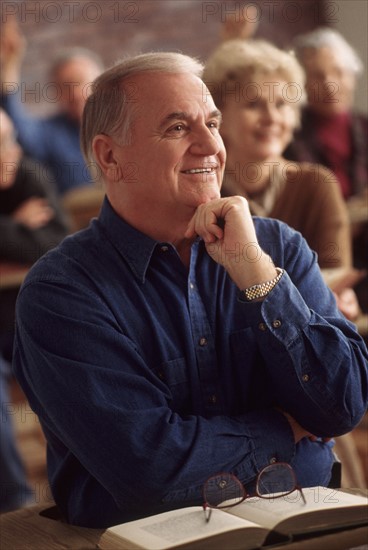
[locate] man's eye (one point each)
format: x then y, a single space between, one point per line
177 128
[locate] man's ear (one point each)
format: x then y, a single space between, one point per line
104 150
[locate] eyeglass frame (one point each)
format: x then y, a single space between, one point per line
207 508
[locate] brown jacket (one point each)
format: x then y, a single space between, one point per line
309 200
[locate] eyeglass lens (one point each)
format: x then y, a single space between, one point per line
276 479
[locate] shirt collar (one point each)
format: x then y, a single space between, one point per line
135 247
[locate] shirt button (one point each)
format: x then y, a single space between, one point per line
262 327
305 377
203 342
273 460
191 286
276 323
212 399
164 248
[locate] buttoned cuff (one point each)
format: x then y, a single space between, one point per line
272 437
283 312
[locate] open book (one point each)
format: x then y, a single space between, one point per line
251 524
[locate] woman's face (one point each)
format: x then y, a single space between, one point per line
259 119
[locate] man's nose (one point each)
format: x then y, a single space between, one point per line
205 142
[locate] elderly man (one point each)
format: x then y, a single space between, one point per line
177 337
332 133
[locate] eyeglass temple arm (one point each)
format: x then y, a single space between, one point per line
301 492
207 512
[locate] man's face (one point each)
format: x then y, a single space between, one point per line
74 79
176 157
330 85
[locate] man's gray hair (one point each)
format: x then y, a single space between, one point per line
327 37
111 106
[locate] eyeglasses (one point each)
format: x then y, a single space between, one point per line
225 490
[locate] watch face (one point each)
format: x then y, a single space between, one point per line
259 291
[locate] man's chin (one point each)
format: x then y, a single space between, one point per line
209 194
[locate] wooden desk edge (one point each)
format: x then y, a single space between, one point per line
12 275
27 529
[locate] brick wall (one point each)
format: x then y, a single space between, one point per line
114 28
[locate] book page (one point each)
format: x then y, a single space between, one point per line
162 531
321 507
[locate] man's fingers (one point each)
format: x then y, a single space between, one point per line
205 224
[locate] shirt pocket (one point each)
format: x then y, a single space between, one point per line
174 374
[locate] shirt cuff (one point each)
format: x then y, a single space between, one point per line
283 311
272 436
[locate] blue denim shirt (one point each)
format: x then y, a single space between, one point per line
148 378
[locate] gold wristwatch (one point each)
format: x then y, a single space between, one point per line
261 290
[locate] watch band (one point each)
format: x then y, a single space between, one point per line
261 290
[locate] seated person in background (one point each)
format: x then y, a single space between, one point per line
259 90
331 132
163 352
31 219
31 223
53 140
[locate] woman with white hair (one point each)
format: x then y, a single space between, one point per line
331 132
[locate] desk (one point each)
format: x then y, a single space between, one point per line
12 274
82 204
26 529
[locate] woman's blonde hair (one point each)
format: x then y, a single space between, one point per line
239 62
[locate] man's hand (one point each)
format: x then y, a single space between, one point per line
299 432
12 48
240 25
227 228
34 213
348 304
